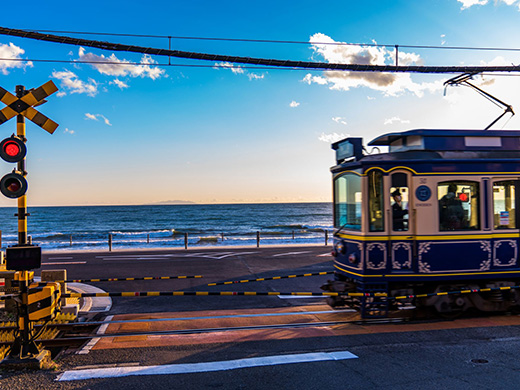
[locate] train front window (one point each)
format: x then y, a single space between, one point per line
376 201
504 205
458 205
347 202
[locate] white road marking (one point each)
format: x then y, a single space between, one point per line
290 253
65 262
102 329
172 369
325 254
215 256
60 258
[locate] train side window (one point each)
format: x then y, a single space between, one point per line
399 202
504 205
376 201
458 205
347 202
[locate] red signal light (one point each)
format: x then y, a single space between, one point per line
12 149
463 197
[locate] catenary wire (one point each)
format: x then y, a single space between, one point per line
279 41
254 61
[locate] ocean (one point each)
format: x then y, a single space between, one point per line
163 226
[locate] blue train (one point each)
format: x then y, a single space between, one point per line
436 213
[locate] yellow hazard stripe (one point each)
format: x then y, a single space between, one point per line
7 113
41 120
40 93
7 97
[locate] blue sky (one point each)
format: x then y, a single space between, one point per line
218 134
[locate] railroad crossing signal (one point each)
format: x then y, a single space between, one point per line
24 106
24 257
13 150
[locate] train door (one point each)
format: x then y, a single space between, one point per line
504 205
400 222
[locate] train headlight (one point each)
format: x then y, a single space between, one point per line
340 247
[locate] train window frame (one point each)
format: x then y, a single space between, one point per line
399 212
452 213
356 221
505 215
376 201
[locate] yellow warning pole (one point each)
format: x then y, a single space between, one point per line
22 200
23 347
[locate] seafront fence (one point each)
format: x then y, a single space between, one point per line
188 239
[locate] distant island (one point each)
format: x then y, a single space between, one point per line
176 202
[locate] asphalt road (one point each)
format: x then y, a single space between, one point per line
463 354
215 265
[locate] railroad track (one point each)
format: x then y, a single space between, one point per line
78 333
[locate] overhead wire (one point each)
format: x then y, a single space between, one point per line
255 61
249 40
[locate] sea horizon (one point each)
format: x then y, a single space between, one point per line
166 225
188 203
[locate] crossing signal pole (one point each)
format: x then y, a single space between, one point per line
24 257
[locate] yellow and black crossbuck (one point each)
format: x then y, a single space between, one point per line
25 106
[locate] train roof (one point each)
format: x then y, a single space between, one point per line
441 139
445 143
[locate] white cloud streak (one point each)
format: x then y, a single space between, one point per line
122 68
12 52
395 119
237 69
72 84
332 137
470 3
340 120
119 83
294 104
96 117
387 83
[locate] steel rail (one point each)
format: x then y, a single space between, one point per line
80 339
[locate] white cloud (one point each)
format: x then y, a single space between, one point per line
67 131
12 52
294 104
121 68
237 69
395 119
254 76
119 83
340 120
469 3
388 83
95 117
332 137
71 83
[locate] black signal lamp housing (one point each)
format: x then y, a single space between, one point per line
13 149
13 185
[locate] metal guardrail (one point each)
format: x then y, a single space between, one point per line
187 239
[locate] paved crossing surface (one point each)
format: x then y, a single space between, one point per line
471 354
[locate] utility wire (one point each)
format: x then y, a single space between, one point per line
254 61
278 41
215 66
